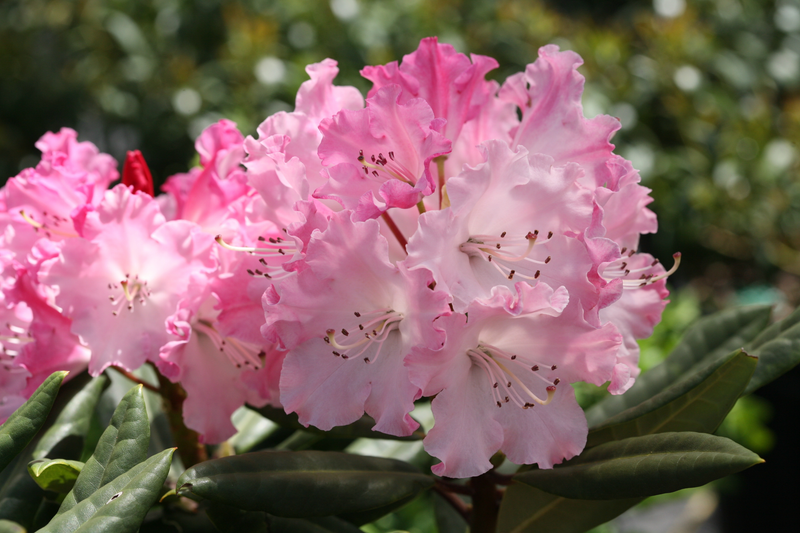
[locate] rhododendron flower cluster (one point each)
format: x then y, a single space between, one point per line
446 237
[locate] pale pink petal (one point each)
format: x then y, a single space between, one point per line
318 98
552 118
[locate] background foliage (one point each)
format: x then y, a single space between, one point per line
708 93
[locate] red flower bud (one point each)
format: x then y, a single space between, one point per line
136 174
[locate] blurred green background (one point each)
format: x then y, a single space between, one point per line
708 93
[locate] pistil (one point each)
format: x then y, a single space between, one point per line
501 368
370 329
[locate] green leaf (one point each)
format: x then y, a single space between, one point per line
526 509
712 338
20 496
122 446
643 466
777 349
25 422
304 484
7 526
120 505
685 406
75 418
324 524
360 429
229 519
57 475
448 520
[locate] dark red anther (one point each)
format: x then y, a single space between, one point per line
136 174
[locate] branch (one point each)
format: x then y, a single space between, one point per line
457 503
136 380
395 230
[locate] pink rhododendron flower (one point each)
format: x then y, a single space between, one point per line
498 380
452 238
121 282
348 321
448 81
379 157
205 196
204 360
508 221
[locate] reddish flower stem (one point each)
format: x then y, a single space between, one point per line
455 487
395 230
461 508
136 380
190 449
485 506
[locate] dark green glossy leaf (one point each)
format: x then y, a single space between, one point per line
710 339
684 406
304 484
365 517
360 429
777 349
122 446
643 466
229 519
448 520
57 475
120 505
7 526
25 422
75 418
526 509
323 524
20 496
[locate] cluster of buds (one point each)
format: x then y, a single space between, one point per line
448 237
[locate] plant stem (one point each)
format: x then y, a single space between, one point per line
136 380
440 168
455 502
395 230
485 507
189 447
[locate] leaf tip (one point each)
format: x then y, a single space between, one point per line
749 354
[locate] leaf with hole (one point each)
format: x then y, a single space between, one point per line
120 505
122 446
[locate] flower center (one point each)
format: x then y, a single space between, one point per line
503 370
272 252
127 293
510 255
634 278
381 169
368 329
51 224
240 354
